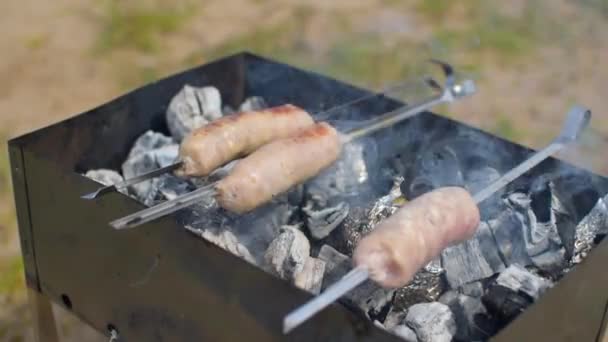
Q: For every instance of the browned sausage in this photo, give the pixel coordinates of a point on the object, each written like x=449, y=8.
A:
x=277, y=166
x=234, y=136
x=417, y=233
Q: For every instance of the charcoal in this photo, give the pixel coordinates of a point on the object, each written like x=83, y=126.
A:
x=405, y=333
x=592, y=226
x=431, y=322
x=171, y=186
x=565, y=219
x=228, y=110
x=322, y=222
x=465, y=263
x=542, y=241
x=253, y=103
x=519, y=279
x=311, y=276
x=505, y=304
x=369, y=297
x=106, y=177
x=425, y=287
x=150, y=151
x=394, y=318
x=226, y=240
x=508, y=230
x=192, y=108
x=287, y=253
x=346, y=177
x=490, y=251
x=468, y=311
x=474, y=289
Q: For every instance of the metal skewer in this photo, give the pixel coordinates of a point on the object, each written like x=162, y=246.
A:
x=320, y=116
x=449, y=93
x=576, y=120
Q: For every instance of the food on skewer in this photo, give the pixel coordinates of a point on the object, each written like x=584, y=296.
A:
x=405, y=242
x=233, y=136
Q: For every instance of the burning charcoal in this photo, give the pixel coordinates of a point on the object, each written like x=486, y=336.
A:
x=508, y=230
x=322, y=222
x=394, y=318
x=465, y=263
x=405, y=333
x=287, y=253
x=432, y=322
x=474, y=289
x=311, y=276
x=368, y=296
x=171, y=186
x=468, y=313
x=565, y=219
x=106, y=177
x=226, y=240
x=253, y=103
x=192, y=108
x=345, y=177
x=505, y=304
x=518, y=278
x=150, y=151
x=591, y=226
x=541, y=239
x=149, y=141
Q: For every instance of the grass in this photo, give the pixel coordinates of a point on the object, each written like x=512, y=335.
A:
x=12, y=279
x=435, y=10
x=139, y=26
x=506, y=128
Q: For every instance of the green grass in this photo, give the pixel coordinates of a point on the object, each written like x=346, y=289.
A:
x=506, y=128
x=138, y=26
x=435, y=9
x=12, y=279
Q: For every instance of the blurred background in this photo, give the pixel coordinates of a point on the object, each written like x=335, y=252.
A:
x=532, y=59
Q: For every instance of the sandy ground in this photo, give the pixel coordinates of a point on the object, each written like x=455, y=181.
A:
x=51, y=70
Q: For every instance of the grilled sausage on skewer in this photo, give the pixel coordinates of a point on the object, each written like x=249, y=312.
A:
x=234, y=136
x=277, y=166
x=417, y=233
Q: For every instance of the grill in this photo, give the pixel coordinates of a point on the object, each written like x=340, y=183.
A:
x=163, y=283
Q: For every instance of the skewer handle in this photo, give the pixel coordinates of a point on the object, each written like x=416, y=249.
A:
x=351, y=280
x=164, y=208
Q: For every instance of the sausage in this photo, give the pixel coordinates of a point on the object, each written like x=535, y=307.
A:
x=237, y=135
x=277, y=166
x=415, y=234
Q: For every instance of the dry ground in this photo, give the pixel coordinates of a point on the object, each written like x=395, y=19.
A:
x=531, y=59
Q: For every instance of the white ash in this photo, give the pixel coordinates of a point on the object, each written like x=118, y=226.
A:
x=106, y=177
x=253, y=103
x=369, y=297
x=226, y=240
x=465, y=263
x=518, y=278
x=394, y=317
x=192, y=108
x=591, y=226
x=432, y=322
x=311, y=276
x=467, y=311
x=474, y=289
x=322, y=222
x=150, y=151
x=405, y=332
x=472, y=260
x=287, y=253
x=542, y=240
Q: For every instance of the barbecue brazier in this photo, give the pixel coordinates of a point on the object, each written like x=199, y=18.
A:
x=160, y=282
